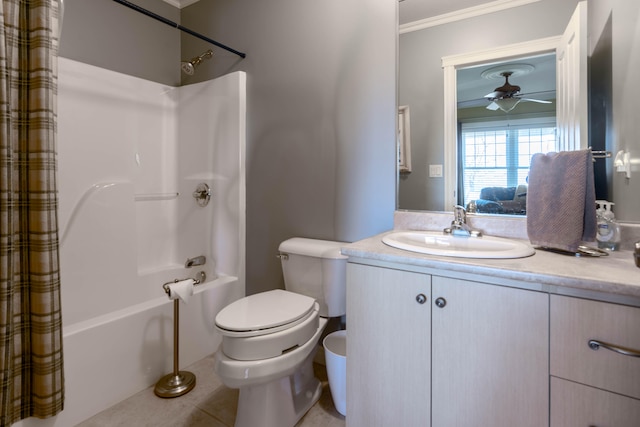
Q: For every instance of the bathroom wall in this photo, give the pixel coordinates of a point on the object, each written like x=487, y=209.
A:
x=623, y=17
x=111, y=36
x=321, y=114
x=320, y=104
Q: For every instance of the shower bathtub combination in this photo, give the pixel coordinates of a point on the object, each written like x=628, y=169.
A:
x=131, y=155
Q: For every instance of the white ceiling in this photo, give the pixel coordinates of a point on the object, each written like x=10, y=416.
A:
x=410, y=10
x=537, y=81
x=180, y=3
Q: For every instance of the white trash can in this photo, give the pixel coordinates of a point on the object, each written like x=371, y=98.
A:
x=335, y=354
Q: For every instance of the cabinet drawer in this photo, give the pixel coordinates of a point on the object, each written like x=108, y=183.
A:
x=576, y=405
x=574, y=322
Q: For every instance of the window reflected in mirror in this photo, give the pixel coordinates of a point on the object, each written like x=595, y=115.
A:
x=495, y=159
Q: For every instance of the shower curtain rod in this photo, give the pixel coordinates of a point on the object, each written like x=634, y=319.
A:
x=178, y=26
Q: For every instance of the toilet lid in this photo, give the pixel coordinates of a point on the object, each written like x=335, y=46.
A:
x=265, y=311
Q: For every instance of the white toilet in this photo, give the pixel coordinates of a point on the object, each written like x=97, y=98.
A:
x=269, y=339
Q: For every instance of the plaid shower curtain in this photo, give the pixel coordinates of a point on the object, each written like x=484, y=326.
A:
x=31, y=374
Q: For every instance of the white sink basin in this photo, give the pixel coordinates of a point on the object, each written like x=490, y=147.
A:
x=437, y=243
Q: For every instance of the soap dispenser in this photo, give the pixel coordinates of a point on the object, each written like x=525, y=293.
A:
x=608, y=235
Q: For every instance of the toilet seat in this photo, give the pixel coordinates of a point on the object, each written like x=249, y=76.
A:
x=264, y=313
x=267, y=324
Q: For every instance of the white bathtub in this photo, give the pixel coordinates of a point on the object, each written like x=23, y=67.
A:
x=118, y=354
x=115, y=355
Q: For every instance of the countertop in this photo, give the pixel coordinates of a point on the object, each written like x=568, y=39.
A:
x=613, y=278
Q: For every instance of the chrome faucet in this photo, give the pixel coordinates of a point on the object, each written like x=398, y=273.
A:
x=192, y=262
x=459, y=226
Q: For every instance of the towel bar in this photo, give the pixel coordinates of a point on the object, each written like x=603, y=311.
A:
x=600, y=154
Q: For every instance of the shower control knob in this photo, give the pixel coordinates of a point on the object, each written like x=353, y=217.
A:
x=441, y=302
x=421, y=298
x=202, y=194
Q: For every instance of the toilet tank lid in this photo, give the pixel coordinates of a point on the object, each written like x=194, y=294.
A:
x=313, y=247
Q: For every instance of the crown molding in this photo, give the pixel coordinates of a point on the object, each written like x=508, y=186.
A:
x=515, y=50
x=458, y=15
x=180, y=3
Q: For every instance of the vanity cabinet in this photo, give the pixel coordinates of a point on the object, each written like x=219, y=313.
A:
x=489, y=350
x=593, y=385
x=428, y=350
x=578, y=405
x=388, y=347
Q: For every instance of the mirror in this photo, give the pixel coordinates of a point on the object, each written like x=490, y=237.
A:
x=506, y=112
x=422, y=45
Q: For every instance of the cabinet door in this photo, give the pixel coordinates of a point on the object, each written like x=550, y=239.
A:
x=490, y=355
x=577, y=405
x=388, y=347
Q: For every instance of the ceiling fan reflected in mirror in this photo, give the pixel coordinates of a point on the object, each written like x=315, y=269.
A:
x=507, y=96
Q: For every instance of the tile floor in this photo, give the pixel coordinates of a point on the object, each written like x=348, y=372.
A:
x=209, y=404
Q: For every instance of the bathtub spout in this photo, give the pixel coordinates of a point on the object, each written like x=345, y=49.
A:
x=192, y=262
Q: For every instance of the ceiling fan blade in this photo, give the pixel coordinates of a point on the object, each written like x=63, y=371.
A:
x=471, y=103
x=495, y=95
x=506, y=104
x=539, y=101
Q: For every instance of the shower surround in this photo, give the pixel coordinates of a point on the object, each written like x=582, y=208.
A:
x=131, y=153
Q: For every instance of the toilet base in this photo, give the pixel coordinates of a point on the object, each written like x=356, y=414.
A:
x=281, y=402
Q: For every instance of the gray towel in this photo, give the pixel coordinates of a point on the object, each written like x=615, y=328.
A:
x=561, y=200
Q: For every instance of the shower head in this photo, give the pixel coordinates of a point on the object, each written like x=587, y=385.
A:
x=189, y=67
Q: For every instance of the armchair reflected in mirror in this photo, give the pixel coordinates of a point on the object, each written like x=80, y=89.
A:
x=500, y=200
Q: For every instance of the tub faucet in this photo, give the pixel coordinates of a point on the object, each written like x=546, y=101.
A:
x=192, y=262
x=459, y=226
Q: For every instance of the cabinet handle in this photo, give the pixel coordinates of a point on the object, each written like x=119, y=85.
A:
x=595, y=345
x=441, y=302
x=421, y=298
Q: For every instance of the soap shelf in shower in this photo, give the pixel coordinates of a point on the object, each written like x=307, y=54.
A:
x=147, y=197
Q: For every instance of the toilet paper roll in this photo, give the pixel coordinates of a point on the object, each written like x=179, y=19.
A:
x=182, y=290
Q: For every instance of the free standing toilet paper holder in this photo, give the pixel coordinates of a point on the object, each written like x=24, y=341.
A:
x=178, y=382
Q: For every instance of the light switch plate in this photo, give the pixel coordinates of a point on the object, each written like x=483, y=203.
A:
x=435, y=171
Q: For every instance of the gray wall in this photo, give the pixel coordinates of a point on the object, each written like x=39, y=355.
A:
x=321, y=104
x=321, y=117
x=625, y=126
x=421, y=82
x=108, y=35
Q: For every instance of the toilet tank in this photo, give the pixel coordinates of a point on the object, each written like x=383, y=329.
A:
x=316, y=268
